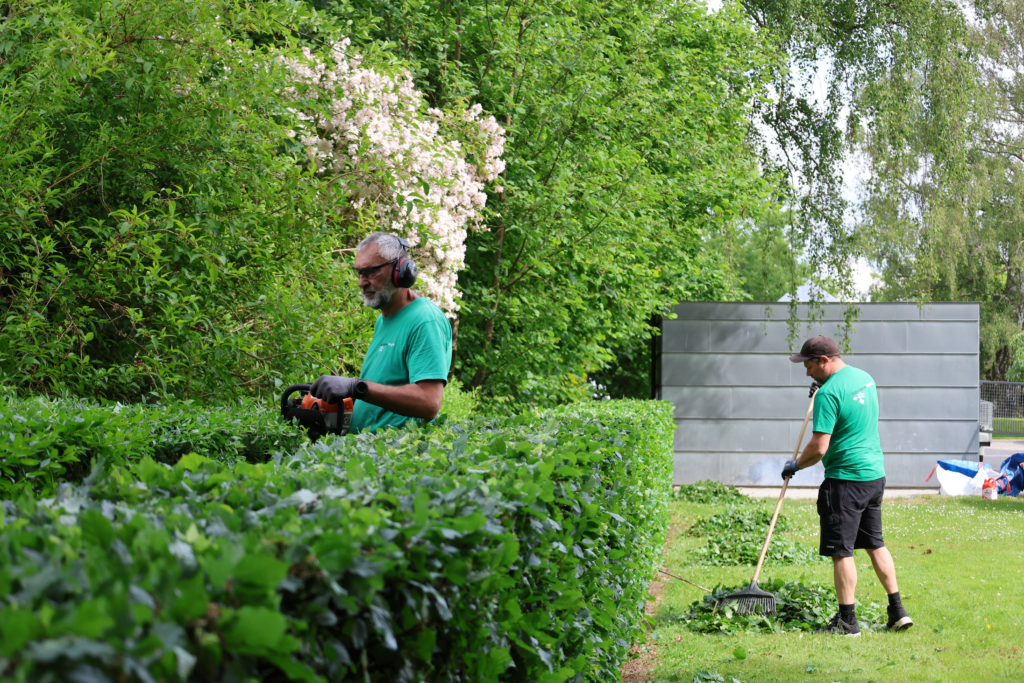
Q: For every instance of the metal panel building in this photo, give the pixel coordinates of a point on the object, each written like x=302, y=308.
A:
x=739, y=401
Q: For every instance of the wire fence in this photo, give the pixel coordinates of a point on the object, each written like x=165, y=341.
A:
x=1002, y=408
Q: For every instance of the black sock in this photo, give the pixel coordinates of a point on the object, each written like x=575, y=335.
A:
x=894, y=600
x=846, y=613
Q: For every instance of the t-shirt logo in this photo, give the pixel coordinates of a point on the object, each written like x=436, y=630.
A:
x=859, y=397
x=383, y=345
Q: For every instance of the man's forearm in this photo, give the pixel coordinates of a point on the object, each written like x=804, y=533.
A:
x=422, y=400
x=814, y=451
x=808, y=458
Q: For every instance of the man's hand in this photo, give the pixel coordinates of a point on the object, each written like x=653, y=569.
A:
x=332, y=388
x=814, y=388
x=789, y=469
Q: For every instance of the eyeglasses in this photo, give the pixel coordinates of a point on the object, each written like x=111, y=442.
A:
x=370, y=271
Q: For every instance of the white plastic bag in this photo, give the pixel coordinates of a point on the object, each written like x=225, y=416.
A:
x=956, y=484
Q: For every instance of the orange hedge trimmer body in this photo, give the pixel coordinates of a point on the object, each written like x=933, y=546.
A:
x=315, y=414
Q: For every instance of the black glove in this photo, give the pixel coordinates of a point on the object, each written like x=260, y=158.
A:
x=332, y=388
x=814, y=388
x=789, y=469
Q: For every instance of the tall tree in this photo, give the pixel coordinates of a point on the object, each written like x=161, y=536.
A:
x=850, y=65
x=766, y=255
x=942, y=215
x=628, y=146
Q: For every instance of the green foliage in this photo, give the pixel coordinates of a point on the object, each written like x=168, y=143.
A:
x=766, y=256
x=736, y=535
x=458, y=405
x=44, y=442
x=800, y=607
x=627, y=146
x=943, y=208
x=735, y=520
x=885, y=64
x=158, y=231
x=730, y=549
x=710, y=492
x=423, y=554
x=628, y=374
x=704, y=676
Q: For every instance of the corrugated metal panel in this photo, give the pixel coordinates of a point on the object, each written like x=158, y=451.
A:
x=714, y=310
x=778, y=435
x=721, y=369
x=769, y=337
x=739, y=401
x=902, y=403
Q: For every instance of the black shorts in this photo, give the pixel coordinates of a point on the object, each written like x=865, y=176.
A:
x=851, y=516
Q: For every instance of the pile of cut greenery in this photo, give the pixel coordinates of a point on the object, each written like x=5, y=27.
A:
x=800, y=606
x=736, y=536
x=707, y=492
x=737, y=549
x=734, y=518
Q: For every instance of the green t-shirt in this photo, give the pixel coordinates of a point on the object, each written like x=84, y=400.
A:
x=411, y=345
x=846, y=407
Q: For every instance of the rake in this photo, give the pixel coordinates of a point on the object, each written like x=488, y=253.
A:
x=753, y=600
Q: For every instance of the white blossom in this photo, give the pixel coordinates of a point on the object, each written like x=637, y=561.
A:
x=387, y=155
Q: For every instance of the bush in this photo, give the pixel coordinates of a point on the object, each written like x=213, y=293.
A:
x=443, y=554
x=159, y=225
x=458, y=405
x=44, y=441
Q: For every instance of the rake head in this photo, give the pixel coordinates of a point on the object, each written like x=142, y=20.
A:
x=751, y=600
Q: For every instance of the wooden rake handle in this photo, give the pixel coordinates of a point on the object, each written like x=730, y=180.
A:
x=782, y=495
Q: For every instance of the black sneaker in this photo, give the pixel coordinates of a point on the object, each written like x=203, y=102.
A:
x=839, y=627
x=899, y=620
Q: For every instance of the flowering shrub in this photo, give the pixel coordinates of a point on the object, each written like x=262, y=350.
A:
x=394, y=166
x=159, y=228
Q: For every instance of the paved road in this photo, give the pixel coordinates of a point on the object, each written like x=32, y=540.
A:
x=1000, y=450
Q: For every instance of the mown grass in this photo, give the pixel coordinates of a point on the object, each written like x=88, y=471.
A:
x=959, y=563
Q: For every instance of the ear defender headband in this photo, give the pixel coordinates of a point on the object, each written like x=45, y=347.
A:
x=404, y=273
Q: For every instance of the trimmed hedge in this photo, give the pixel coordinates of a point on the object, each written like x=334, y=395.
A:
x=515, y=550
x=44, y=441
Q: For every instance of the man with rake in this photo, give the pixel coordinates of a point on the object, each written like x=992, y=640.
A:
x=846, y=442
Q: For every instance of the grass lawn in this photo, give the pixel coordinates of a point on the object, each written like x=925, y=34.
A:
x=1008, y=427
x=959, y=564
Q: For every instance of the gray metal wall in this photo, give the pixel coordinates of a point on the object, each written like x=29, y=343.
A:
x=739, y=401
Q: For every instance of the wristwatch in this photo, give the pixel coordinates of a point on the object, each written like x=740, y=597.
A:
x=361, y=389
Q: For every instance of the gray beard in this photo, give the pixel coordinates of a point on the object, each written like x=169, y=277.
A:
x=379, y=298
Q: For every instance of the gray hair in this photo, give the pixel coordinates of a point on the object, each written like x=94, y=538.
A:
x=388, y=246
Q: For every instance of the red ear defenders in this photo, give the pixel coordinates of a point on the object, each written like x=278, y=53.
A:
x=404, y=273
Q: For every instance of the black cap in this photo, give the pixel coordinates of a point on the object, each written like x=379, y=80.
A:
x=816, y=347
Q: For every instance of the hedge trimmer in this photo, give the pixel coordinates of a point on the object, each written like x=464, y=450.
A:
x=315, y=414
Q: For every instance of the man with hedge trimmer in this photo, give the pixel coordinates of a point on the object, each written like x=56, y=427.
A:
x=846, y=441
x=406, y=366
